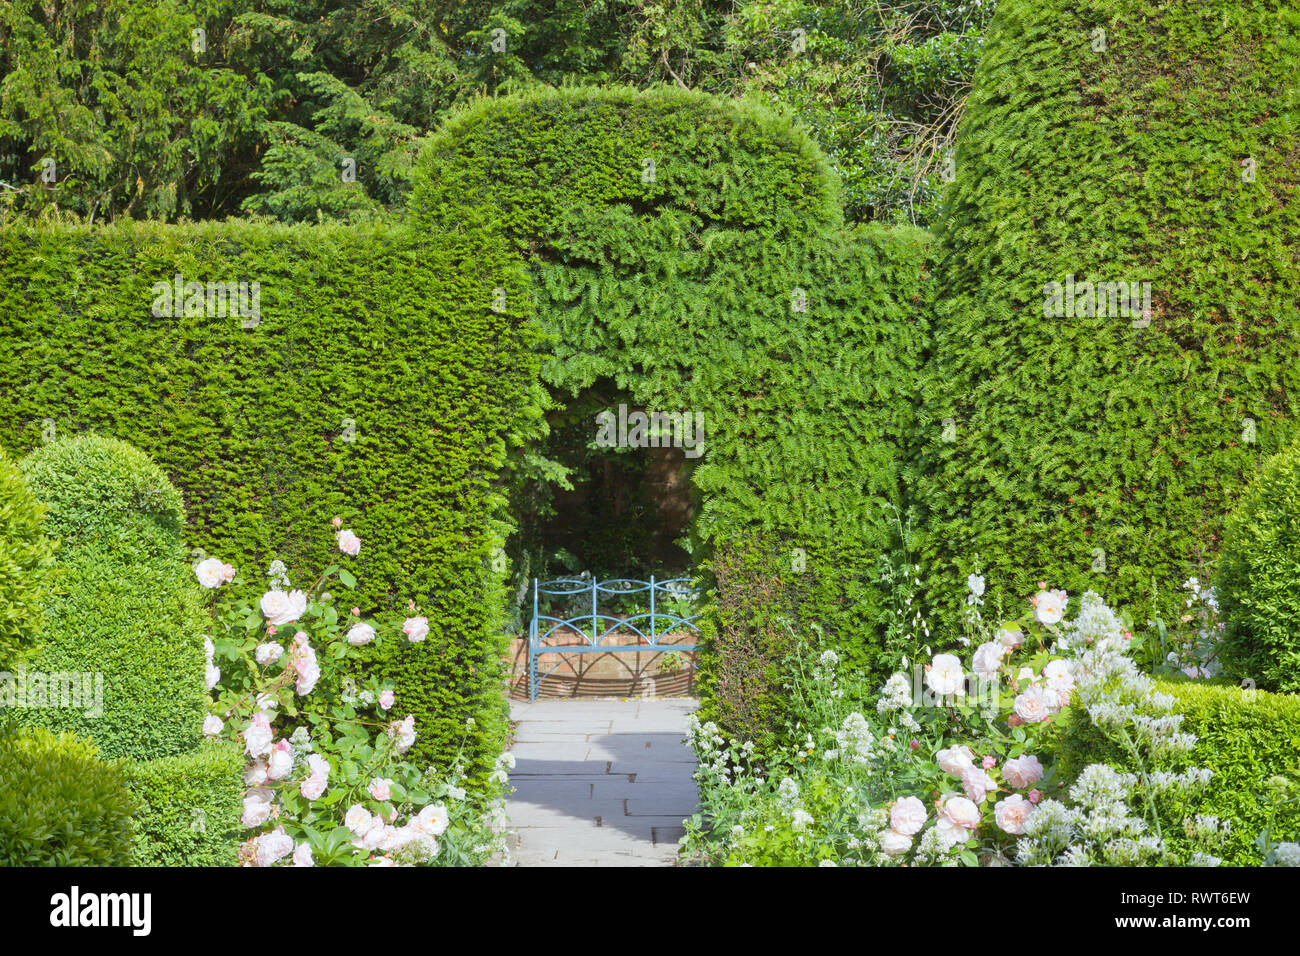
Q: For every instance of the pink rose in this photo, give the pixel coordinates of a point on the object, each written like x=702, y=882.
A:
x=273, y=846
x=416, y=629
x=381, y=788
x=1031, y=706
x=1012, y=813
x=1023, y=771
x=961, y=812
x=977, y=783
x=387, y=699
x=908, y=816
x=313, y=787
x=257, y=807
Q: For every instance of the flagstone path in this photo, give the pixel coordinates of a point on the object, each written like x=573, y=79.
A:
x=600, y=782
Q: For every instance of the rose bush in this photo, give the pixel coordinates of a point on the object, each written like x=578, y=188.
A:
x=951, y=767
x=327, y=775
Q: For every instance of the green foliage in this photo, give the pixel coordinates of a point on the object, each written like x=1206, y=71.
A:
x=1258, y=583
x=1103, y=452
x=25, y=564
x=767, y=593
x=127, y=620
x=378, y=385
x=725, y=285
x=60, y=805
x=1245, y=738
x=189, y=807
x=136, y=122
x=881, y=88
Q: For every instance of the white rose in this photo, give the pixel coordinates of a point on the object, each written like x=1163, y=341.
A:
x=360, y=634
x=318, y=766
x=961, y=812
x=946, y=675
x=416, y=629
x=434, y=818
x=212, y=725
x=950, y=834
x=280, y=764
x=268, y=653
x=1010, y=637
x=211, y=675
x=257, y=808
x=908, y=816
x=1012, y=813
x=894, y=843
x=255, y=773
x=302, y=855
x=1031, y=706
x=381, y=788
x=211, y=573
x=1060, y=683
x=349, y=543
x=955, y=760
x=358, y=820
x=258, y=736
x=279, y=607
x=1050, y=607
x=987, y=659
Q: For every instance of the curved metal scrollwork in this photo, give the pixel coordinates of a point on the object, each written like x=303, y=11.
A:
x=587, y=632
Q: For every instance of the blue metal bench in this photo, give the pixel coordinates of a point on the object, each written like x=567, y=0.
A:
x=588, y=625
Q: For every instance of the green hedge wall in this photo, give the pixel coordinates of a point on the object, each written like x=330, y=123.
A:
x=26, y=556
x=128, y=606
x=189, y=807
x=1244, y=738
x=724, y=284
x=378, y=384
x=1114, y=156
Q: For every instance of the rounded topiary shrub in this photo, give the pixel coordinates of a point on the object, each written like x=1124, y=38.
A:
x=25, y=564
x=1258, y=583
x=1118, y=298
x=60, y=805
x=121, y=659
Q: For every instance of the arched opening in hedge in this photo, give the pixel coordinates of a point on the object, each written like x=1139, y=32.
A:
x=692, y=252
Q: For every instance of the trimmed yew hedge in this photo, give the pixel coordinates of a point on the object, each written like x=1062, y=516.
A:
x=378, y=383
x=1113, y=140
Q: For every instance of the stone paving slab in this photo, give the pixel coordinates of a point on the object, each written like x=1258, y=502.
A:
x=600, y=782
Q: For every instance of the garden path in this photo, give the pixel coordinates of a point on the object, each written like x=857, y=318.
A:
x=600, y=782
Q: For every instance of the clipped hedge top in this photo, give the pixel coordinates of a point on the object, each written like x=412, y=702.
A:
x=1108, y=141
x=527, y=160
x=105, y=489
